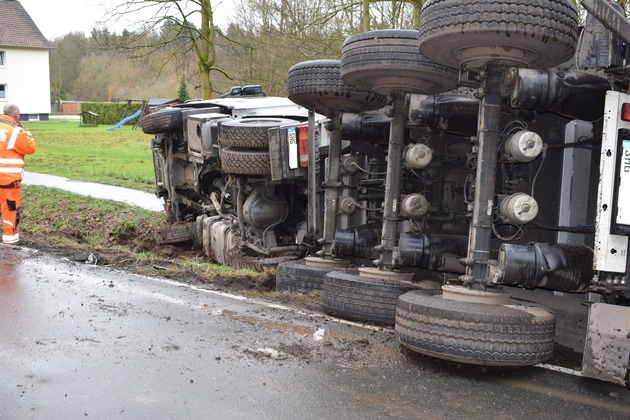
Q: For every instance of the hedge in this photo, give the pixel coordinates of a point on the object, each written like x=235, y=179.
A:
x=111, y=113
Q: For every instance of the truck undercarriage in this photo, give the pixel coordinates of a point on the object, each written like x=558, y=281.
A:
x=455, y=182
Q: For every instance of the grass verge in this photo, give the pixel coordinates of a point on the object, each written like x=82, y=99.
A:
x=121, y=236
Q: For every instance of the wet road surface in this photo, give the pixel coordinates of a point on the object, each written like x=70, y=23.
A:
x=82, y=341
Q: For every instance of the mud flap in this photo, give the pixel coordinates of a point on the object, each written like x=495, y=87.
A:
x=607, y=349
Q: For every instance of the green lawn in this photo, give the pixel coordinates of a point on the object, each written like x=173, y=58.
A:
x=119, y=157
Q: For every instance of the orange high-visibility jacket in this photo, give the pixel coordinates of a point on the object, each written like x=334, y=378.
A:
x=15, y=142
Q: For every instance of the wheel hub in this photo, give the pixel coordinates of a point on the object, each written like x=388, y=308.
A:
x=476, y=58
x=413, y=82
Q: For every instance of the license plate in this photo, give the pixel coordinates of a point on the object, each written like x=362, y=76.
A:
x=293, y=148
x=623, y=198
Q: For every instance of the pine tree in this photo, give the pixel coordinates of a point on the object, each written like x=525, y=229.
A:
x=182, y=93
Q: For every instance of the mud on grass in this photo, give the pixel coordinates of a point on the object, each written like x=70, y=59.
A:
x=177, y=263
x=123, y=237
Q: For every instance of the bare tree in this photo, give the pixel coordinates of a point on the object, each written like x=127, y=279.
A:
x=273, y=35
x=178, y=17
x=93, y=81
x=394, y=10
x=174, y=41
x=64, y=63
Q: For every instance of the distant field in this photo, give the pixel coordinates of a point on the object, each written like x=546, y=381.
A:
x=120, y=157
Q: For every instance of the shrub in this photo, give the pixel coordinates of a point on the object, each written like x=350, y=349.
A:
x=111, y=113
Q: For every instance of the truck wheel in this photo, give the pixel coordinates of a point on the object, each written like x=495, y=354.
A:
x=249, y=133
x=296, y=276
x=162, y=121
x=317, y=85
x=469, y=34
x=245, y=162
x=516, y=334
x=351, y=296
x=385, y=61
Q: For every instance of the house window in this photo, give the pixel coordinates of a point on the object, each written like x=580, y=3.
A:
x=3, y=91
x=3, y=58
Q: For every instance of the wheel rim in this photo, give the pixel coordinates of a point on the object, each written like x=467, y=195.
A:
x=476, y=57
x=463, y=294
x=375, y=273
x=326, y=263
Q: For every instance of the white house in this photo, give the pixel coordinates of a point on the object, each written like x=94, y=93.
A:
x=24, y=65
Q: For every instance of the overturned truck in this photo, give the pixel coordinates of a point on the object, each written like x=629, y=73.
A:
x=467, y=183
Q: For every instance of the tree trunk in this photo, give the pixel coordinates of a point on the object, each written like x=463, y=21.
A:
x=417, y=9
x=206, y=51
x=365, y=13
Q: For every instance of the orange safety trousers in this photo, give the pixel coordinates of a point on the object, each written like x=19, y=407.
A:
x=10, y=205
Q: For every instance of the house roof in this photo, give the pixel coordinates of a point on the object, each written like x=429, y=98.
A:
x=18, y=29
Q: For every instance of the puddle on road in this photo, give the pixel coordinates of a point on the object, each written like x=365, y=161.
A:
x=8, y=281
x=276, y=325
x=567, y=395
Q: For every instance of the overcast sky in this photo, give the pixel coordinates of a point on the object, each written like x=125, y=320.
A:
x=55, y=18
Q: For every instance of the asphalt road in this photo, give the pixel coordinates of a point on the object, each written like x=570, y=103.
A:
x=81, y=341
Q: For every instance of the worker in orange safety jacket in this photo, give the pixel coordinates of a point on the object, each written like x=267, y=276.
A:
x=15, y=142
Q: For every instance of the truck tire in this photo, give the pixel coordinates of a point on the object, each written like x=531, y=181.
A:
x=385, y=61
x=245, y=162
x=469, y=34
x=249, y=133
x=162, y=121
x=347, y=295
x=296, y=276
x=317, y=85
x=516, y=334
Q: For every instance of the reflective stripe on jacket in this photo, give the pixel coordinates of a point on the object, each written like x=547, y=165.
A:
x=15, y=142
